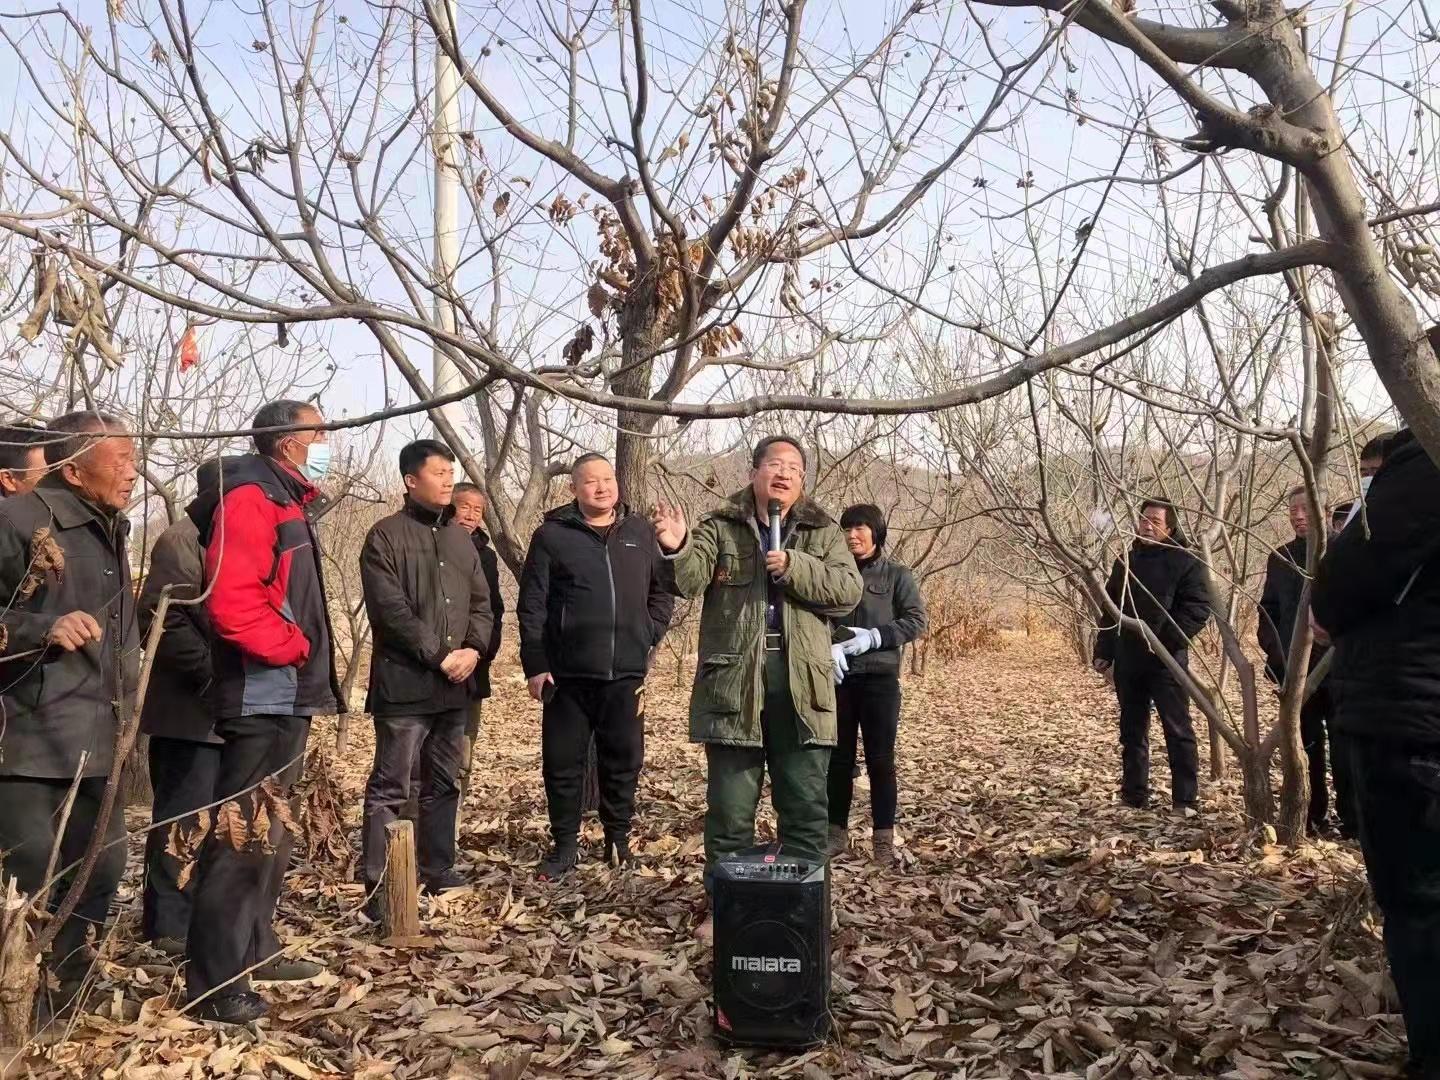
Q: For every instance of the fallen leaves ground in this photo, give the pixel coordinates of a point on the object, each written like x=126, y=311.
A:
x=1037, y=927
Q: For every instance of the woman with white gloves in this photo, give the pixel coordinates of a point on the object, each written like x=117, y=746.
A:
x=867, y=667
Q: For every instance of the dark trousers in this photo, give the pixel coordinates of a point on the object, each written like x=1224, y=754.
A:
x=869, y=708
x=1398, y=799
x=1140, y=684
x=29, y=819
x=1314, y=716
x=237, y=884
x=611, y=711
x=436, y=743
x=798, y=774
x=182, y=774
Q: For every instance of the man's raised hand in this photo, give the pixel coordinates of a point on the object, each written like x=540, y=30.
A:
x=669, y=522
x=74, y=631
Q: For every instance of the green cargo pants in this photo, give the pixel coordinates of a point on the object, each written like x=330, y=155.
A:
x=797, y=780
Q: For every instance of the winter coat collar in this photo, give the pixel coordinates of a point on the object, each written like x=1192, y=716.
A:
x=70, y=510
x=425, y=515
x=741, y=507
x=570, y=514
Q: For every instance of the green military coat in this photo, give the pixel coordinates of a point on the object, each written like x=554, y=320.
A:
x=723, y=557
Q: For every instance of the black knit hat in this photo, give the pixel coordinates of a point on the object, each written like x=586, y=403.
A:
x=866, y=514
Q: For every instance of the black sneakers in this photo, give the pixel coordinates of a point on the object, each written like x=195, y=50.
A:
x=243, y=1007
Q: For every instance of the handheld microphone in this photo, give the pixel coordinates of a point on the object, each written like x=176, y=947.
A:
x=774, y=509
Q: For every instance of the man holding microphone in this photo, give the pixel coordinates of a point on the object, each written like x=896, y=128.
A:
x=774, y=569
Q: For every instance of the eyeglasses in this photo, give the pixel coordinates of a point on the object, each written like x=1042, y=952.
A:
x=783, y=468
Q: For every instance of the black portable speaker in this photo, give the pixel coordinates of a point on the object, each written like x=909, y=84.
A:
x=772, y=948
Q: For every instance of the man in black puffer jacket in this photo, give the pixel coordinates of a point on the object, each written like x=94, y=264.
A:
x=594, y=603
x=1377, y=595
x=1165, y=587
x=1279, y=608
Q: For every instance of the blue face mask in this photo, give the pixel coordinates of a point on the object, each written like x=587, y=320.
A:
x=317, y=462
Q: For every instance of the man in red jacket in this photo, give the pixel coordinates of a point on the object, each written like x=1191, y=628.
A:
x=273, y=669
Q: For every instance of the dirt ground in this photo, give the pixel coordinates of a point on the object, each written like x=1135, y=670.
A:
x=1037, y=928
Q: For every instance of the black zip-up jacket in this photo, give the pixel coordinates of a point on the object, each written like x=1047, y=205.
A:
x=426, y=595
x=891, y=604
x=175, y=705
x=1280, y=605
x=59, y=554
x=1378, y=596
x=272, y=646
x=490, y=567
x=592, y=607
x=1166, y=588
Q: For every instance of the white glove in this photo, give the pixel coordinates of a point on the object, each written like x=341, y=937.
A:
x=863, y=641
x=837, y=657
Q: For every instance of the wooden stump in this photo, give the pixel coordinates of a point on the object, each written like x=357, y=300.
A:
x=402, y=889
x=19, y=973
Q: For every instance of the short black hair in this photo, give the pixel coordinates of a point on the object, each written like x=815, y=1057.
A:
x=413, y=456
x=585, y=459
x=80, y=428
x=275, y=414
x=16, y=443
x=1378, y=447
x=465, y=487
x=763, y=446
x=866, y=514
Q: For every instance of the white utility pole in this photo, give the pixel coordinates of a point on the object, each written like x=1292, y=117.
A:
x=446, y=138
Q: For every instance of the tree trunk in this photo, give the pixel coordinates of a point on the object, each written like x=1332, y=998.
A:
x=639, y=339
x=590, y=792
x=138, y=790
x=1217, y=753
x=19, y=973
x=1258, y=791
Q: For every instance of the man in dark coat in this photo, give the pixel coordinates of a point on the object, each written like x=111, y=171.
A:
x=1164, y=586
x=429, y=609
x=184, y=750
x=1377, y=596
x=470, y=505
x=1285, y=576
x=273, y=669
x=594, y=603
x=69, y=660
x=22, y=459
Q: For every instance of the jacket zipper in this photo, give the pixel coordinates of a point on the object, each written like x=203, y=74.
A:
x=610, y=573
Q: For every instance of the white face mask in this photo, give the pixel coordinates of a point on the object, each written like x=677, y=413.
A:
x=317, y=462
x=1365, y=485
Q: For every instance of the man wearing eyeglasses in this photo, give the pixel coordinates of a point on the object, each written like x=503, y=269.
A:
x=764, y=694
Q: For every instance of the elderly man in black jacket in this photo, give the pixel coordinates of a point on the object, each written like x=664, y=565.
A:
x=594, y=603
x=429, y=608
x=69, y=654
x=1285, y=576
x=184, y=750
x=1377, y=595
x=469, y=503
x=1163, y=585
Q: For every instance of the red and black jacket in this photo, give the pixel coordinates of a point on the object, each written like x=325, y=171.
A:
x=271, y=637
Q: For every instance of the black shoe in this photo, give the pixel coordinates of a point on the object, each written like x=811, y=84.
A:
x=443, y=882
x=617, y=853
x=1321, y=829
x=282, y=969
x=169, y=946
x=1135, y=802
x=561, y=861
x=1186, y=809
x=375, y=904
x=244, y=1007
